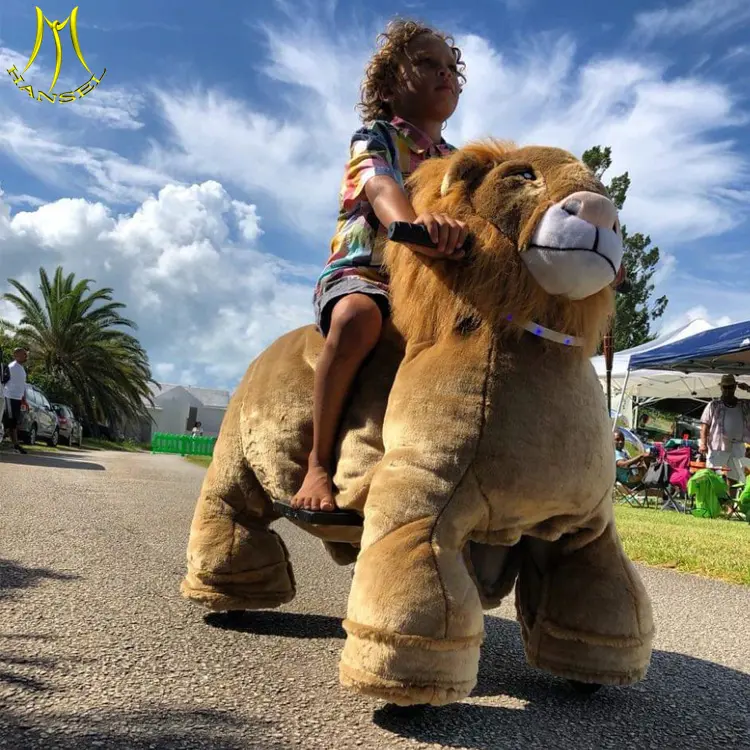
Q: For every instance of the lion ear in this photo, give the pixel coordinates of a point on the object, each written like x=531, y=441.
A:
x=460, y=168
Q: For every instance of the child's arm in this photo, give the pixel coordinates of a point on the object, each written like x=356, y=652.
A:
x=390, y=203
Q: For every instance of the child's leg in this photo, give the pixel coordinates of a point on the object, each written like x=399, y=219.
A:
x=356, y=322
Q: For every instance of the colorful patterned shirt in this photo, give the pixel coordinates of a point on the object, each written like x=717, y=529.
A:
x=394, y=148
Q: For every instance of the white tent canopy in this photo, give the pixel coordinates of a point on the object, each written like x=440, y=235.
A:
x=646, y=384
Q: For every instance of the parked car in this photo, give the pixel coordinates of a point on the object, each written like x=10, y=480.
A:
x=38, y=418
x=71, y=432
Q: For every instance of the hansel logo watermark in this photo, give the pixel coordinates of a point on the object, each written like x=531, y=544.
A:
x=57, y=27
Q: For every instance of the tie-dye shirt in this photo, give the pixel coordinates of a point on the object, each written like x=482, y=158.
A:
x=394, y=148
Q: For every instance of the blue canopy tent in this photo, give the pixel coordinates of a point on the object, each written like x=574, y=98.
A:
x=719, y=351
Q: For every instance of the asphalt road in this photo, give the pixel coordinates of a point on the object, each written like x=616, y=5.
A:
x=98, y=650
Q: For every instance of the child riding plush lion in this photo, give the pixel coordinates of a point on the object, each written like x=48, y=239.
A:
x=474, y=443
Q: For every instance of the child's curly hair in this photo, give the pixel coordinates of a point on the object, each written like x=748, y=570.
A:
x=382, y=72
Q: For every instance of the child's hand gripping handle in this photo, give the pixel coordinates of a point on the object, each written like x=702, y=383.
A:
x=415, y=234
x=418, y=234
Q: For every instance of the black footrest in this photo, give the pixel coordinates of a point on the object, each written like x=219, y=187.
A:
x=318, y=517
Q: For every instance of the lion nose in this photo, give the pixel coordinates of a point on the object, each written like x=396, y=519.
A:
x=591, y=207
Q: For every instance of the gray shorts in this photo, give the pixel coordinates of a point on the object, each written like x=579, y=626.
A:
x=348, y=285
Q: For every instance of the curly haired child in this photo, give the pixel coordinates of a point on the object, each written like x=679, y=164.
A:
x=411, y=87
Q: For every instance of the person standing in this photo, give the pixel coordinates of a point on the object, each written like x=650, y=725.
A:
x=725, y=428
x=15, y=392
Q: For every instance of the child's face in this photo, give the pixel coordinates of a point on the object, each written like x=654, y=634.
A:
x=430, y=83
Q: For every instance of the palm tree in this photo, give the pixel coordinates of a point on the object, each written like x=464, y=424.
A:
x=79, y=350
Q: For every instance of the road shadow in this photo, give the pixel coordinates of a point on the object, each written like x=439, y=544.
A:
x=14, y=575
x=683, y=702
x=282, y=624
x=50, y=461
x=162, y=728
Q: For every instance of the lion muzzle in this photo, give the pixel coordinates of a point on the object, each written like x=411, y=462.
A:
x=576, y=249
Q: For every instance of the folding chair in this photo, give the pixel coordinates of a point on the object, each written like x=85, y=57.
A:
x=678, y=460
x=656, y=481
x=733, y=506
x=627, y=494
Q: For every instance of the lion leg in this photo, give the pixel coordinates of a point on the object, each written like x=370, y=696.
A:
x=415, y=621
x=584, y=612
x=234, y=560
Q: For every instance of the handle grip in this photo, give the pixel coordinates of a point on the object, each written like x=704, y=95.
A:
x=415, y=234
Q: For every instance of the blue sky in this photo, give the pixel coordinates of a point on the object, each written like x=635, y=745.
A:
x=200, y=179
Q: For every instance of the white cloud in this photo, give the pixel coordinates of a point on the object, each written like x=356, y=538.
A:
x=24, y=200
x=687, y=182
x=57, y=160
x=694, y=16
x=665, y=269
x=186, y=263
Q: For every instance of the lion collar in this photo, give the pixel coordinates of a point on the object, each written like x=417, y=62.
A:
x=547, y=333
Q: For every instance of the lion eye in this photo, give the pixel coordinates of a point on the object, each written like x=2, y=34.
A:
x=527, y=174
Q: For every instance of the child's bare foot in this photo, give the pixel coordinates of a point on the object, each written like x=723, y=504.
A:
x=316, y=492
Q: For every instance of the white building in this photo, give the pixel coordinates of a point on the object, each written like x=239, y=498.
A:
x=177, y=408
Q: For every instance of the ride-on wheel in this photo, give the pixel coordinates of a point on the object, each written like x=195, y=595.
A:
x=584, y=688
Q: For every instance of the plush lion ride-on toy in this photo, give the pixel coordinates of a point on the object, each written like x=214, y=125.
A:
x=476, y=449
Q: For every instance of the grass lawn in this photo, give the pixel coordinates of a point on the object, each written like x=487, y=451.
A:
x=89, y=444
x=199, y=460
x=715, y=548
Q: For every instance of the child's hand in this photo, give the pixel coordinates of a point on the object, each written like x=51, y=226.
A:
x=448, y=233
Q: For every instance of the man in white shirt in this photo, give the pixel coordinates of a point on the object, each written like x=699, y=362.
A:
x=725, y=428
x=15, y=392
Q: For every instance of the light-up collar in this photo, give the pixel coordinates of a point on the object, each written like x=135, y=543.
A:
x=547, y=333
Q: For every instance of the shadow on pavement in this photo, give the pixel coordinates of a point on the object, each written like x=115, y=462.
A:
x=50, y=461
x=283, y=624
x=683, y=702
x=164, y=729
x=13, y=575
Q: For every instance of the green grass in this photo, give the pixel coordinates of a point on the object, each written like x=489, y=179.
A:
x=127, y=446
x=204, y=461
x=89, y=444
x=714, y=548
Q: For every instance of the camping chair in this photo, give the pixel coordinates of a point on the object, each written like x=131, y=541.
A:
x=627, y=493
x=656, y=480
x=709, y=489
x=678, y=460
x=737, y=506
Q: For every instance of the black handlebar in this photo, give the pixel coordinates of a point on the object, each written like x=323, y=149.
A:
x=415, y=234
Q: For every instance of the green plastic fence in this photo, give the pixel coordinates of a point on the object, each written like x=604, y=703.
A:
x=185, y=445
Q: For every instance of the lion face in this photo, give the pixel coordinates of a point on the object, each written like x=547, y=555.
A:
x=553, y=210
x=547, y=245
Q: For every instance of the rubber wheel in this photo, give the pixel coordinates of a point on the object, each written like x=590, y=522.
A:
x=584, y=688
x=54, y=440
x=32, y=435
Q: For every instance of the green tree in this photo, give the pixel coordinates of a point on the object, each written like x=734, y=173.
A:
x=80, y=350
x=636, y=310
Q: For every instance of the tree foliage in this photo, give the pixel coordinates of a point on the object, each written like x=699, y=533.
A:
x=636, y=310
x=81, y=352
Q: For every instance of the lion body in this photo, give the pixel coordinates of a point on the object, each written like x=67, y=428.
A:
x=543, y=440
x=478, y=454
